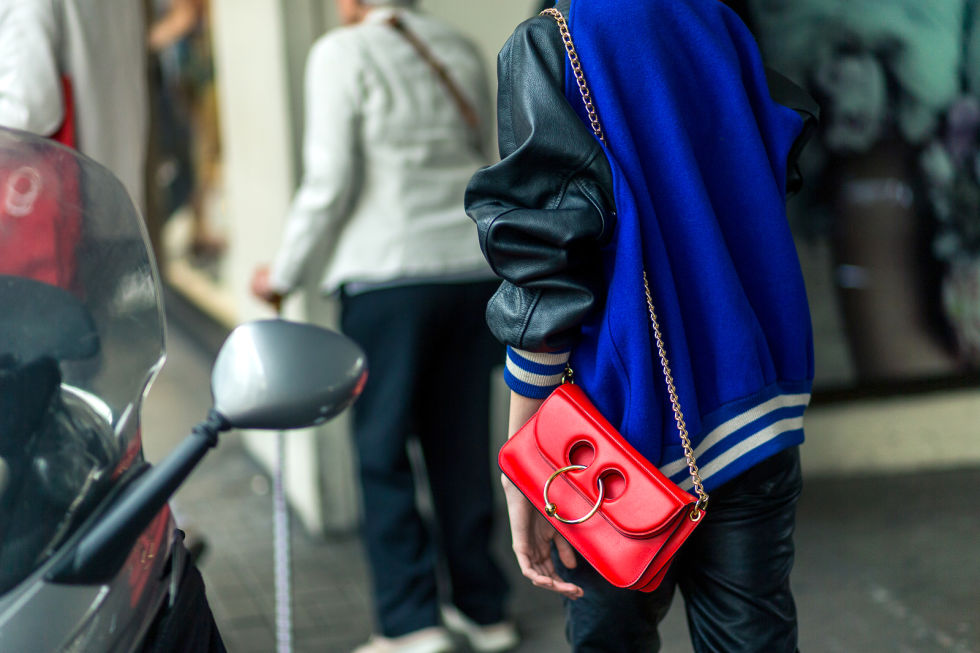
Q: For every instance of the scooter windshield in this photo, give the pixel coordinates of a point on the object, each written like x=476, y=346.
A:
x=81, y=338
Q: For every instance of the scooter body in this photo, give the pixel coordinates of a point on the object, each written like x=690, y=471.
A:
x=79, y=290
x=113, y=617
x=90, y=556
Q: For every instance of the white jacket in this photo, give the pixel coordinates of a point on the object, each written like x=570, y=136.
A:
x=100, y=46
x=387, y=157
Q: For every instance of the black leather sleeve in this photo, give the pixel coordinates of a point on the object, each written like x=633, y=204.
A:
x=783, y=91
x=544, y=211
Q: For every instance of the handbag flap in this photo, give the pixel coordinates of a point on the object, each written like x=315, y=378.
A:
x=649, y=502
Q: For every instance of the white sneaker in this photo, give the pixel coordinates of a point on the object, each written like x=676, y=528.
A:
x=434, y=639
x=501, y=636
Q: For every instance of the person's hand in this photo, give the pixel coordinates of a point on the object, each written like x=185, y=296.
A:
x=263, y=290
x=531, y=534
x=532, y=538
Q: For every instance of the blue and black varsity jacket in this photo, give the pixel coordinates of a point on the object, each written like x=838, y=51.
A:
x=690, y=187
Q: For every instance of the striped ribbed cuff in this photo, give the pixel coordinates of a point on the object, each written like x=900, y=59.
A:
x=532, y=374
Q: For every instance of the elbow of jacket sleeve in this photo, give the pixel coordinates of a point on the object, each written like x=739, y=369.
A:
x=537, y=321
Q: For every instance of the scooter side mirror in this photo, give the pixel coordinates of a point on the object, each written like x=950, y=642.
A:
x=274, y=374
x=269, y=374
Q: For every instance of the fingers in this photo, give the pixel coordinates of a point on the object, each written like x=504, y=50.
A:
x=262, y=289
x=260, y=282
x=565, y=552
x=532, y=538
x=541, y=573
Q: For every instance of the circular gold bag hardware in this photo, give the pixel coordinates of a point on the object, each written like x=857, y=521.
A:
x=552, y=509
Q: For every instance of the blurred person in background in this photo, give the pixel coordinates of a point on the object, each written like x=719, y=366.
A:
x=396, y=122
x=187, y=152
x=73, y=70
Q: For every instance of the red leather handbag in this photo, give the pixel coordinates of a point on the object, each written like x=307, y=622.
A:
x=613, y=506
x=564, y=458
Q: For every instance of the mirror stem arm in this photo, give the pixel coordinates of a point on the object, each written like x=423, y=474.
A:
x=211, y=427
x=102, y=551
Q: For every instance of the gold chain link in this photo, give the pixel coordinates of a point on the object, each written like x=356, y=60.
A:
x=692, y=464
x=583, y=88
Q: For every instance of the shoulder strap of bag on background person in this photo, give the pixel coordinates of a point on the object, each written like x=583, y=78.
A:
x=65, y=133
x=470, y=116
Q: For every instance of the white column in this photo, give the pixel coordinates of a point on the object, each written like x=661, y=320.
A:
x=259, y=47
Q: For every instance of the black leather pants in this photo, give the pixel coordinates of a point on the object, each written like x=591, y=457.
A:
x=733, y=573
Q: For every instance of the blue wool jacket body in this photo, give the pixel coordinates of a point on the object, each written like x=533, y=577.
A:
x=699, y=178
x=698, y=152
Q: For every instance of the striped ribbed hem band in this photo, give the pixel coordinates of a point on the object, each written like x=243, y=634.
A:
x=743, y=439
x=533, y=374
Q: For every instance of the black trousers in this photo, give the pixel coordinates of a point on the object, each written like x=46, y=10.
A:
x=429, y=356
x=733, y=573
x=187, y=626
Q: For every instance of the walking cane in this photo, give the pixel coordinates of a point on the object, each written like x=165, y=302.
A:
x=282, y=546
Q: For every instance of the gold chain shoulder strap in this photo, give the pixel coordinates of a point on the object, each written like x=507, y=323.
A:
x=583, y=88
